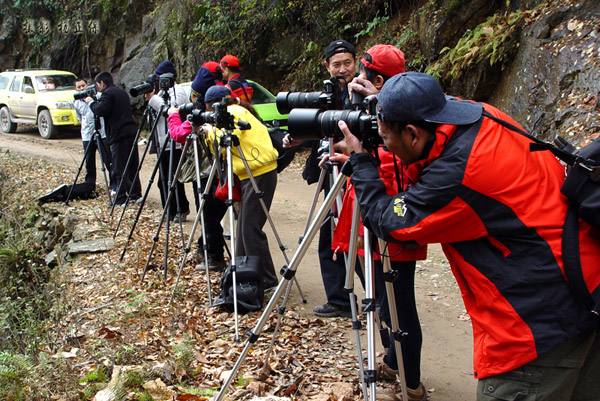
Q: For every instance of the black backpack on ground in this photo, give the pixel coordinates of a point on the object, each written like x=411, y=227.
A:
x=85, y=190
x=250, y=291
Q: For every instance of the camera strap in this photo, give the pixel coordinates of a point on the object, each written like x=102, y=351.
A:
x=398, y=176
x=566, y=156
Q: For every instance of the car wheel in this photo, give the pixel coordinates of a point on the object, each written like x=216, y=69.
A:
x=6, y=123
x=46, y=127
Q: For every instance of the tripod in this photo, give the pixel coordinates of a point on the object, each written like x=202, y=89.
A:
x=162, y=149
x=288, y=272
x=228, y=141
x=102, y=151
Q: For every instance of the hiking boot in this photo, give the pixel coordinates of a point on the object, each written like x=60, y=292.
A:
x=395, y=393
x=216, y=264
x=329, y=310
x=385, y=373
x=180, y=217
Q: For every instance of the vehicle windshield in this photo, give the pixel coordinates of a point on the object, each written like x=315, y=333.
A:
x=47, y=83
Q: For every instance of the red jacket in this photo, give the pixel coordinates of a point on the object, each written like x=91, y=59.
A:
x=240, y=88
x=497, y=210
x=341, y=235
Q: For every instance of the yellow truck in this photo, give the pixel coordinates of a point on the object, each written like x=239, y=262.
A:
x=39, y=97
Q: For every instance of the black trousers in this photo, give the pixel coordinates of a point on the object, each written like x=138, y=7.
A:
x=90, y=160
x=213, y=213
x=408, y=318
x=250, y=237
x=163, y=184
x=120, y=154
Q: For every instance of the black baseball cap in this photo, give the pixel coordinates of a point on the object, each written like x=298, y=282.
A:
x=339, y=46
x=414, y=96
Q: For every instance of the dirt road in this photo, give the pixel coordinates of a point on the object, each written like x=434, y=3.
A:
x=447, y=340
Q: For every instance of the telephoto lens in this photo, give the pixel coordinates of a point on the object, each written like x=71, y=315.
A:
x=151, y=84
x=287, y=101
x=309, y=124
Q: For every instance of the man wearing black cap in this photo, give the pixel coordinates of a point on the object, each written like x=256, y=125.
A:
x=340, y=61
x=497, y=210
x=179, y=207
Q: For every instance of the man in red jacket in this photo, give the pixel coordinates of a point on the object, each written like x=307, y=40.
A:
x=497, y=210
x=236, y=84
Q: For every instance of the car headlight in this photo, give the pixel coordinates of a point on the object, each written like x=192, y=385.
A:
x=64, y=105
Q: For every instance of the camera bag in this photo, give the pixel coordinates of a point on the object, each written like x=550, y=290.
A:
x=582, y=188
x=249, y=285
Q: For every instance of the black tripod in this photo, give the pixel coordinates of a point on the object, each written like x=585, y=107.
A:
x=152, y=139
x=103, y=152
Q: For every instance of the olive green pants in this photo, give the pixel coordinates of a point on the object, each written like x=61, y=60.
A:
x=569, y=372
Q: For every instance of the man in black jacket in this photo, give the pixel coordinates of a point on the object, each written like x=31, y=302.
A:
x=121, y=129
x=340, y=61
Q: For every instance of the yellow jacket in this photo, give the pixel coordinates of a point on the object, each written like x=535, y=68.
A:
x=255, y=143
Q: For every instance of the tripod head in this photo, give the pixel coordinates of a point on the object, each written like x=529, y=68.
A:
x=97, y=124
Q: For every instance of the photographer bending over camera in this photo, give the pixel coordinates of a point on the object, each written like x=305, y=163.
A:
x=498, y=212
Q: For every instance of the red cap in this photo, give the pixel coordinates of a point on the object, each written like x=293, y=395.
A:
x=213, y=66
x=230, y=61
x=385, y=59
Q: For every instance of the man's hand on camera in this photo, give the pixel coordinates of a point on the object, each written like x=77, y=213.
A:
x=172, y=110
x=362, y=86
x=289, y=142
x=89, y=99
x=350, y=144
x=149, y=95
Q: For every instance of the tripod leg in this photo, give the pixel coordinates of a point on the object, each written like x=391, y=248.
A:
x=162, y=219
x=288, y=273
x=232, y=233
x=187, y=248
x=370, y=308
x=349, y=287
x=259, y=194
x=85, y=154
x=391, y=296
x=145, y=196
x=103, y=163
x=131, y=153
x=313, y=204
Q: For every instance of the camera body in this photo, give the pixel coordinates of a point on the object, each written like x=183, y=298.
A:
x=151, y=84
x=196, y=114
x=166, y=81
x=90, y=91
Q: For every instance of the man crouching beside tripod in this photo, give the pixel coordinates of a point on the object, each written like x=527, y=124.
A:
x=497, y=210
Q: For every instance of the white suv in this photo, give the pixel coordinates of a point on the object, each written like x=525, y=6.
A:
x=42, y=97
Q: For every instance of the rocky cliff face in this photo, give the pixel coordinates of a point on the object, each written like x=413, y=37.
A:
x=548, y=80
x=553, y=84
